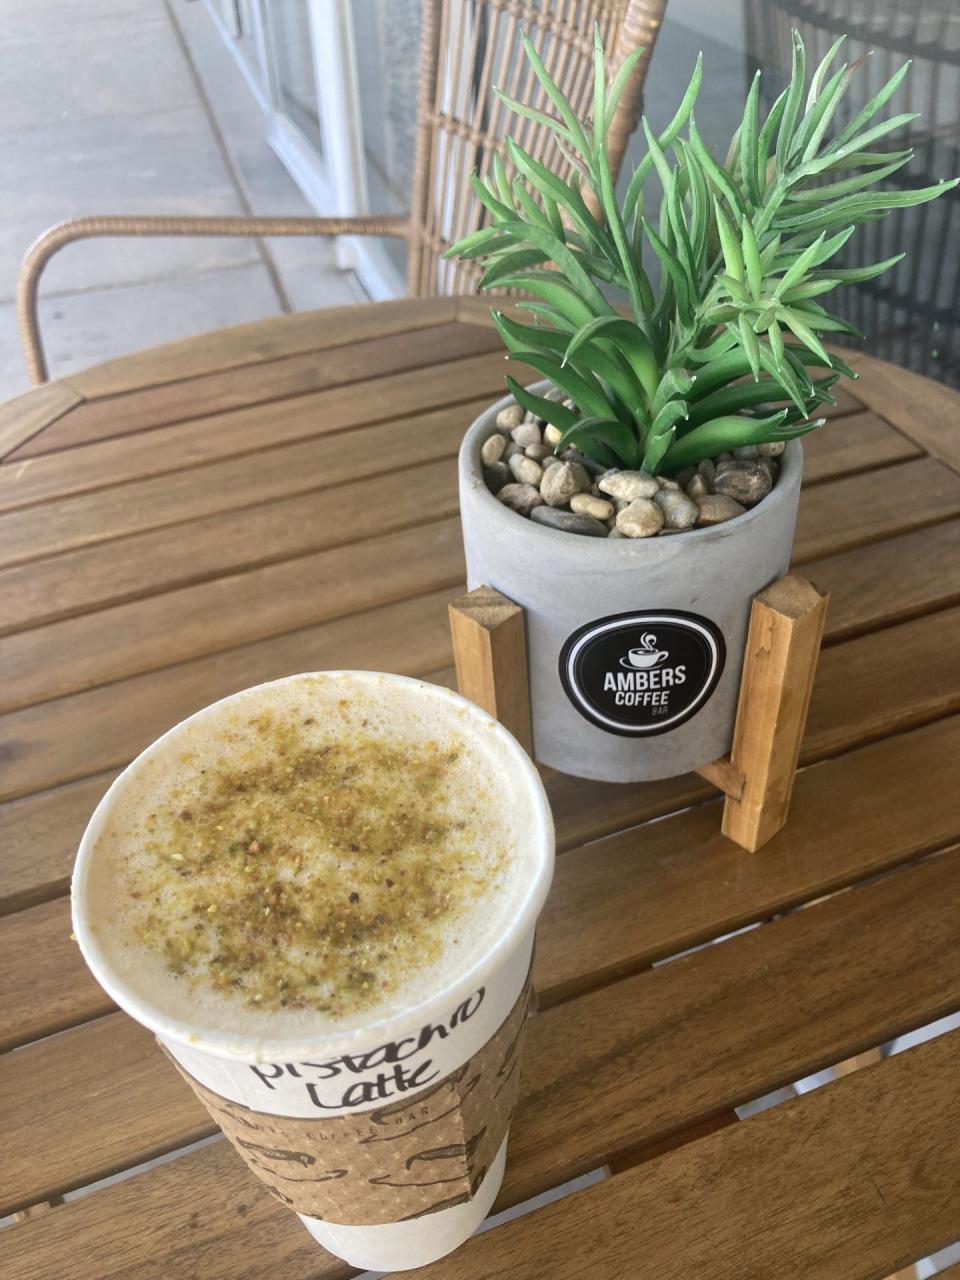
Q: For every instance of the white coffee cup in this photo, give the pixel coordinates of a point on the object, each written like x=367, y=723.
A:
x=289, y=1080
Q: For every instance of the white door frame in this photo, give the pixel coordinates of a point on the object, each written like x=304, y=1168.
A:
x=334, y=183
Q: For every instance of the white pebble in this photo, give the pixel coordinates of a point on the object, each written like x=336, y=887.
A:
x=642, y=519
x=520, y=497
x=492, y=450
x=679, y=511
x=561, y=483
x=584, y=504
x=525, y=470
x=628, y=484
x=509, y=418
x=526, y=433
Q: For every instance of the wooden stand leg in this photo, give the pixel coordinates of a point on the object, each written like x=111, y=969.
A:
x=786, y=627
x=783, y=643
x=490, y=651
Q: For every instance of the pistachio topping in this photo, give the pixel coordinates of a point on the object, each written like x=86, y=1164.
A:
x=297, y=872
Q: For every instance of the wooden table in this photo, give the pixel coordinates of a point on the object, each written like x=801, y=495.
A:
x=198, y=518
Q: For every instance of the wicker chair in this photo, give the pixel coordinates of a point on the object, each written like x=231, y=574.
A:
x=466, y=47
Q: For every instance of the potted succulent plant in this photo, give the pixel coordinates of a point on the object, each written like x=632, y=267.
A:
x=637, y=500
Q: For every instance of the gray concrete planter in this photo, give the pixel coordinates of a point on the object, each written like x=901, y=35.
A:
x=635, y=647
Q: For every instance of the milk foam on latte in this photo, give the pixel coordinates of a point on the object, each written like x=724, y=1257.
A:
x=317, y=853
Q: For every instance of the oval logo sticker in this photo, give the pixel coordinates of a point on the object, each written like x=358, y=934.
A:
x=640, y=674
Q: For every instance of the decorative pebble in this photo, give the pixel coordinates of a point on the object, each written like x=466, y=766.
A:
x=697, y=486
x=615, y=533
x=747, y=451
x=559, y=484
x=526, y=433
x=684, y=476
x=715, y=508
x=525, y=470
x=492, y=450
x=585, y=504
x=588, y=464
x=568, y=522
x=707, y=469
x=666, y=483
x=551, y=460
x=552, y=435
x=496, y=476
x=679, y=511
x=723, y=457
x=772, y=449
x=554, y=394
x=509, y=418
x=629, y=485
x=521, y=498
x=747, y=482
x=642, y=519
x=512, y=451
x=538, y=451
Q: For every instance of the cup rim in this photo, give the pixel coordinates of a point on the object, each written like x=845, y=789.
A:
x=249, y=1049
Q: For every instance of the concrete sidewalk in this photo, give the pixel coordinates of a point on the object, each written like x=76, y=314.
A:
x=136, y=106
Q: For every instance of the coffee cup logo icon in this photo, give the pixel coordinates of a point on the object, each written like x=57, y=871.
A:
x=645, y=655
x=642, y=673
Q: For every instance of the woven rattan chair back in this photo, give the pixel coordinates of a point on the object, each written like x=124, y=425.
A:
x=466, y=48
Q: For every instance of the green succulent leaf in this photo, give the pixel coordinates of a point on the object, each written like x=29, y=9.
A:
x=579, y=386
x=715, y=174
x=817, y=79
x=551, y=411
x=537, y=117
x=791, y=109
x=752, y=181
x=619, y=85
x=509, y=263
x=675, y=385
x=872, y=107
x=565, y=110
x=631, y=341
x=657, y=446
x=608, y=430
x=551, y=287
x=746, y=249
x=665, y=139
x=720, y=434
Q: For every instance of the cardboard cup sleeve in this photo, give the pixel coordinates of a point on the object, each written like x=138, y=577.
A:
x=413, y=1156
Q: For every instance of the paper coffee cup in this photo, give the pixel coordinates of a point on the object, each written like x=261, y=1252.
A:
x=388, y=1139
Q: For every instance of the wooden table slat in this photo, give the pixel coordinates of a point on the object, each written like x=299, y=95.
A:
x=832, y=517
x=857, y=443
x=40, y=838
x=251, y=344
x=26, y=416
x=102, y=514
x=850, y=1183
x=635, y=1062
x=310, y=466
x=195, y=442
x=864, y=508
x=656, y=890
x=214, y=546
x=925, y=410
x=76, y=653
x=268, y=383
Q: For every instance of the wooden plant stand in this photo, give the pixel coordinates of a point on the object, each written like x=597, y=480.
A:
x=783, y=643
